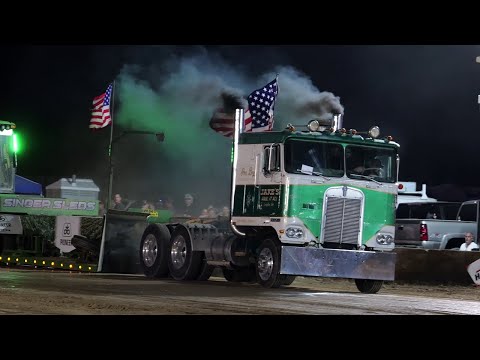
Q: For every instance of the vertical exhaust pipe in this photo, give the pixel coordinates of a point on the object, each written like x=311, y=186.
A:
x=337, y=122
x=239, y=115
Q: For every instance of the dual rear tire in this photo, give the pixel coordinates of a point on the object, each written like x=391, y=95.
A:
x=162, y=254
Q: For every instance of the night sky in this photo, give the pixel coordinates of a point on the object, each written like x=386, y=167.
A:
x=425, y=96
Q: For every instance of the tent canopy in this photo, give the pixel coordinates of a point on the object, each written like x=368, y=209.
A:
x=25, y=186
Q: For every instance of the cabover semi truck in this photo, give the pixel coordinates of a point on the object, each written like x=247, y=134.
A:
x=316, y=200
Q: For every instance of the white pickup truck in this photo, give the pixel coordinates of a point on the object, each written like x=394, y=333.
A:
x=433, y=225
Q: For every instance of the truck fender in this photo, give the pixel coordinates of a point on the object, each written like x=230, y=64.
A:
x=447, y=237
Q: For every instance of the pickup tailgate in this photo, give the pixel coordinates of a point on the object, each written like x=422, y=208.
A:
x=407, y=232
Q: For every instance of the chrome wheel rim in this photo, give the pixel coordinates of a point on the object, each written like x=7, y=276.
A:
x=265, y=264
x=149, y=250
x=178, y=252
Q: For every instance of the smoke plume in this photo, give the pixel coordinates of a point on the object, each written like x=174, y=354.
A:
x=178, y=97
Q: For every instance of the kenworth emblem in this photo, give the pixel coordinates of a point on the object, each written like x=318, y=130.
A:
x=344, y=190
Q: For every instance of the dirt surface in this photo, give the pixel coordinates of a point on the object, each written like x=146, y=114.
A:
x=43, y=292
x=457, y=292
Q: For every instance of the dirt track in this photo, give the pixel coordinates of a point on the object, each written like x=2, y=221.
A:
x=49, y=292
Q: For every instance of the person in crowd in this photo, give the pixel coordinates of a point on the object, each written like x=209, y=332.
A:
x=189, y=206
x=469, y=244
x=212, y=212
x=118, y=203
x=225, y=211
x=204, y=214
x=101, y=208
x=147, y=206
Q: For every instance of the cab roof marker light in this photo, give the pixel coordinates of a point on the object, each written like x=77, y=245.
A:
x=313, y=125
x=374, y=132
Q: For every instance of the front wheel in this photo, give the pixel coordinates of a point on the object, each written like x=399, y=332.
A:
x=268, y=265
x=289, y=279
x=368, y=286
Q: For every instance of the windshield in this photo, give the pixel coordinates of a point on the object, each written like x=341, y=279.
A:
x=376, y=163
x=314, y=158
x=328, y=159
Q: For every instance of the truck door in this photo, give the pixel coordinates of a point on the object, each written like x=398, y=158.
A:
x=268, y=192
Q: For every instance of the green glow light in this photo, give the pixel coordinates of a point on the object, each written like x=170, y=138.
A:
x=15, y=143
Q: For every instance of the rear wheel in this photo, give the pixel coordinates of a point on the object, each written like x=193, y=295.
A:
x=205, y=270
x=183, y=262
x=153, y=251
x=268, y=265
x=368, y=286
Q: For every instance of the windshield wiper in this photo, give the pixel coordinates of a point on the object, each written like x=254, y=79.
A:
x=366, y=178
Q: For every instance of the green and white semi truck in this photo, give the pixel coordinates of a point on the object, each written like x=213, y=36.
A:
x=317, y=202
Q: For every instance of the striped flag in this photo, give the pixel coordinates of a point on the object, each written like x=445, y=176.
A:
x=261, y=102
x=223, y=122
x=258, y=114
x=101, y=110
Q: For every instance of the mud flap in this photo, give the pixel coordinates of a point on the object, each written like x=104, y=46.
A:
x=120, y=242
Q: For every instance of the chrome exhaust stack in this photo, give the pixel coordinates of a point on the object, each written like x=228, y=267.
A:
x=337, y=122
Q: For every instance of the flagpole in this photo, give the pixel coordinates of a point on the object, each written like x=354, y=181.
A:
x=110, y=184
x=110, y=145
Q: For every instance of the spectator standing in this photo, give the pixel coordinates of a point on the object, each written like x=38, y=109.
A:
x=468, y=245
x=189, y=206
x=118, y=202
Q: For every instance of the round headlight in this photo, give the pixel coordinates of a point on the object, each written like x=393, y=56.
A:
x=313, y=125
x=374, y=132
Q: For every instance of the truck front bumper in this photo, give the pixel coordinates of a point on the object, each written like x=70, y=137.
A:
x=309, y=261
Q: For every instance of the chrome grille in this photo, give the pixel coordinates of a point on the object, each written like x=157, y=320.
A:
x=342, y=220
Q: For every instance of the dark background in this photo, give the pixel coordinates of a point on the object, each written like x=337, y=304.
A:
x=425, y=96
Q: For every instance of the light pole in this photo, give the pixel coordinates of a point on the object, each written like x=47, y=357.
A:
x=160, y=137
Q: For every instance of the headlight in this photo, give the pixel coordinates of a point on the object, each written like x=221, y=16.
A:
x=292, y=232
x=384, y=239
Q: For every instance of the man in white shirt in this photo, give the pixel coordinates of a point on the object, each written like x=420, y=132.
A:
x=468, y=245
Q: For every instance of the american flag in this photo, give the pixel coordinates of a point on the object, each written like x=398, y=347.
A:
x=223, y=122
x=101, y=110
x=261, y=102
